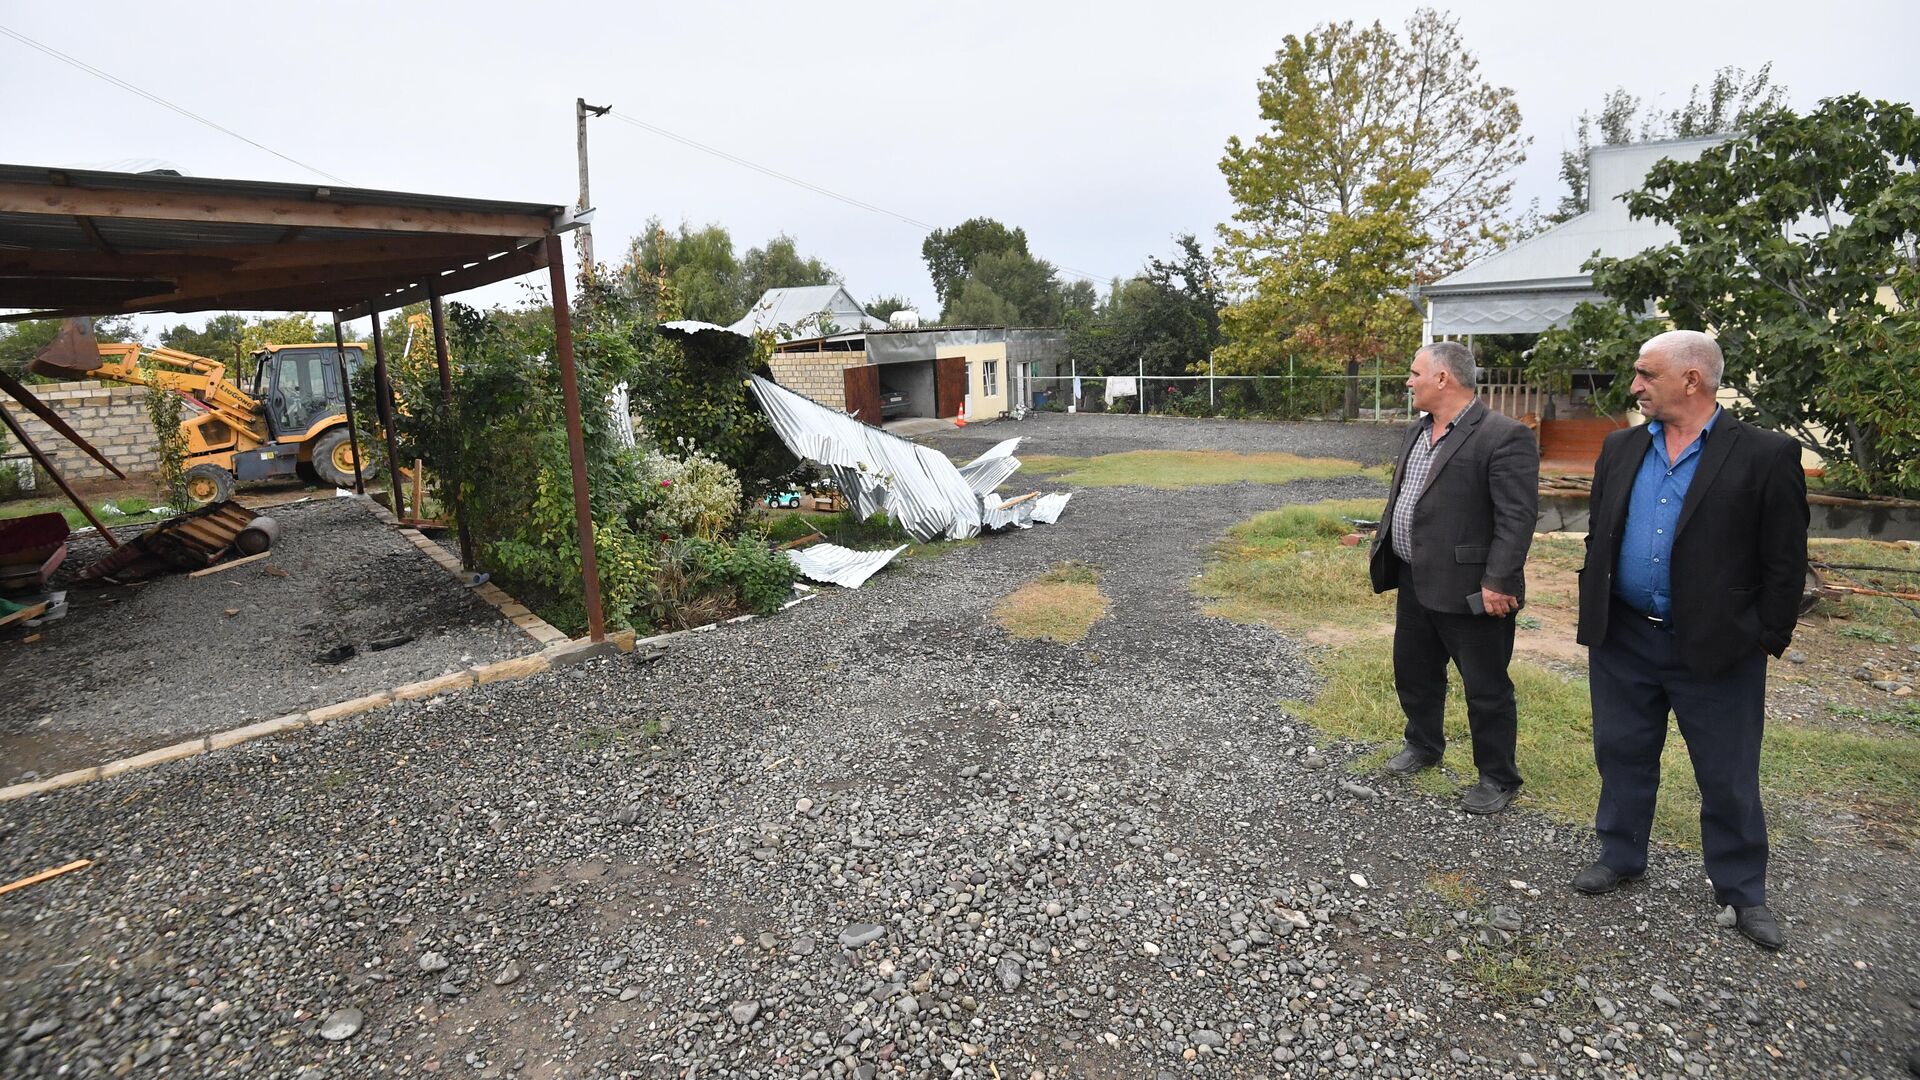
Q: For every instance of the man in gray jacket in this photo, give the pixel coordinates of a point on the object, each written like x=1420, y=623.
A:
x=1453, y=541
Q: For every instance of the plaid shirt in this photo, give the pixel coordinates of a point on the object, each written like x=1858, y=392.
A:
x=1419, y=464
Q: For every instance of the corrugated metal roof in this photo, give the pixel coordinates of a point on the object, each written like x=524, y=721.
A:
x=803, y=310
x=1554, y=258
x=96, y=180
x=841, y=566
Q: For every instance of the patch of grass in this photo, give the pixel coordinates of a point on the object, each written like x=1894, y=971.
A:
x=124, y=509
x=1904, y=715
x=1286, y=568
x=1170, y=469
x=844, y=529
x=1879, y=635
x=608, y=736
x=1453, y=889
x=1563, y=552
x=1062, y=605
x=1510, y=971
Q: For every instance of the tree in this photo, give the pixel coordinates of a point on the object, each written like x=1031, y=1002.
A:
x=21, y=341
x=1166, y=318
x=1723, y=105
x=696, y=265
x=1797, y=250
x=780, y=265
x=883, y=307
x=1335, y=295
x=952, y=253
x=976, y=304
x=1353, y=110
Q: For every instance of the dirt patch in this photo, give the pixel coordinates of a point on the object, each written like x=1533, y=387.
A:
x=135, y=667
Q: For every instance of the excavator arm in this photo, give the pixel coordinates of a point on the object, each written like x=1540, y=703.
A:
x=75, y=354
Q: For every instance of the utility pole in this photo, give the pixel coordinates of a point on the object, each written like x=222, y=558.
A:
x=580, y=112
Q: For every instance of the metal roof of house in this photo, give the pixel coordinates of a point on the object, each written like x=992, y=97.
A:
x=803, y=309
x=88, y=242
x=1537, y=282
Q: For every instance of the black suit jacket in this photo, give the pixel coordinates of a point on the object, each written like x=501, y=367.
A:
x=1474, y=520
x=1739, y=548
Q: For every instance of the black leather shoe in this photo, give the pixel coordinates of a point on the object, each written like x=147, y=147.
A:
x=1409, y=761
x=1487, y=797
x=1601, y=878
x=1757, y=923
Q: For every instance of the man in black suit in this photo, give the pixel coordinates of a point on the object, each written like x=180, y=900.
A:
x=1696, y=558
x=1453, y=541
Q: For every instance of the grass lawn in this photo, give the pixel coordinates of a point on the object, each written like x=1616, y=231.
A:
x=115, y=511
x=1287, y=569
x=1061, y=606
x=1169, y=469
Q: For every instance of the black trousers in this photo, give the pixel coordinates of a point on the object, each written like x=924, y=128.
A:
x=1481, y=647
x=1637, y=678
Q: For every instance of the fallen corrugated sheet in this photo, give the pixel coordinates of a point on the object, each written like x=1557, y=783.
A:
x=1046, y=508
x=991, y=469
x=841, y=566
x=916, y=485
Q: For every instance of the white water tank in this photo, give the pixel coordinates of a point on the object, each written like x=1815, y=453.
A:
x=906, y=319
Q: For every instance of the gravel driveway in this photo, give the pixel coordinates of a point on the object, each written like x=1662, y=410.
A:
x=875, y=836
x=135, y=667
x=1087, y=434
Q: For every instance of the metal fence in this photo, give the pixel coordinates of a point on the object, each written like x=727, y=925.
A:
x=1278, y=397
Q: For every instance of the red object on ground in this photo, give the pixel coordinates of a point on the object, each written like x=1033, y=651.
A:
x=31, y=549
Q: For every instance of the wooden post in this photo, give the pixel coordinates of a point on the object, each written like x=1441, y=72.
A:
x=576, y=438
x=383, y=401
x=346, y=392
x=38, y=455
x=443, y=357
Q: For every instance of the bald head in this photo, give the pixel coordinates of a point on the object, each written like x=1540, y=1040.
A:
x=1688, y=350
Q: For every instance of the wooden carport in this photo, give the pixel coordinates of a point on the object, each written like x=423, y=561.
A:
x=76, y=242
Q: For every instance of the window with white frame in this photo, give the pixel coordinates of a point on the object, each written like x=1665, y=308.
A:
x=990, y=377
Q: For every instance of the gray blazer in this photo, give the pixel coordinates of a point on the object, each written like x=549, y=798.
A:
x=1474, y=521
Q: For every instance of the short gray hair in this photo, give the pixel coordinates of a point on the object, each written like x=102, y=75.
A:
x=1456, y=358
x=1690, y=349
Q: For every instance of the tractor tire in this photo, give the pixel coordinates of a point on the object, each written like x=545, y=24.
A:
x=207, y=484
x=333, y=458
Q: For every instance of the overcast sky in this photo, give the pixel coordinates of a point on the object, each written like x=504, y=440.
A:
x=1096, y=127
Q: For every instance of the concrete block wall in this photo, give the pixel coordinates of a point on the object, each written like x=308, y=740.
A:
x=112, y=418
x=817, y=374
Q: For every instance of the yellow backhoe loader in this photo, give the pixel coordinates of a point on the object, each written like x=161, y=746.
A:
x=292, y=423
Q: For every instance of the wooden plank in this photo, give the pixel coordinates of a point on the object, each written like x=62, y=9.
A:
x=31, y=611
x=317, y=250
x=93, y=234
x=523, y=261
x=227, y=209
x=1021, y=499
x=230, y=564
x=35, y=879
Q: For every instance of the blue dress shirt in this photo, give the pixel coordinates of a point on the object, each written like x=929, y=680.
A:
x=1644, y=578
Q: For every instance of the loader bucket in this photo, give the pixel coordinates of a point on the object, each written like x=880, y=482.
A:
x=74, y=353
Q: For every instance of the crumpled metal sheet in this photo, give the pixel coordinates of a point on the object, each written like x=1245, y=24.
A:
x=991, y=469
x=841, y=566
x=1046, y=508
x=999, y=515
x=915, y=485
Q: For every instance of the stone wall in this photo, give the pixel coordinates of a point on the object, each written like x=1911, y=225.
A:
x=113, y=418
x=816, y=374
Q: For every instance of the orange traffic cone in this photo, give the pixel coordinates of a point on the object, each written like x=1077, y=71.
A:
x=961, y=420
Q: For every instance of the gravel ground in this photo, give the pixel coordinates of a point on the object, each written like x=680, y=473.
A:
x=132, y=668
x=1087, y=434
x=875, y=836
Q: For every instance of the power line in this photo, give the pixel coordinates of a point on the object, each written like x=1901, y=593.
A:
x=158, y=100
x=797, y=182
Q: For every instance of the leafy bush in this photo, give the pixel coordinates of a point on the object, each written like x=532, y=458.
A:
x=693, y=495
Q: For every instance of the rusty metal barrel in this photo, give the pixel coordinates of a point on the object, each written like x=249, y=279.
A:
x=258, y=536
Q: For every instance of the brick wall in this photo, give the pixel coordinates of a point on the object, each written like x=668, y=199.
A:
x=112, y=418
x=816, y=374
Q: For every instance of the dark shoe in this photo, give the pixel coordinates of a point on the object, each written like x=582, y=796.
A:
x=1409, y=761
x=1601, y=878
x=1757, y=923
x=1487, y=797
x=1913, y=1061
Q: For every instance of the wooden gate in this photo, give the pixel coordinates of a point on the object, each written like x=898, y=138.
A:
x=863, y=393
x=949, y=386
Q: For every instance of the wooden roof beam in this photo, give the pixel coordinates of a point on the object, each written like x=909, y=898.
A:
x=261, y=210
